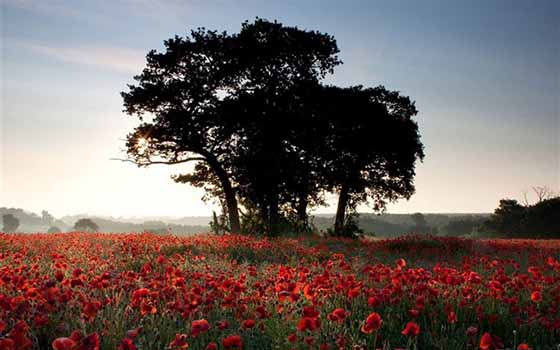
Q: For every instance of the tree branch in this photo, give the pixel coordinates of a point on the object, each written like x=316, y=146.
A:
x=160, y=162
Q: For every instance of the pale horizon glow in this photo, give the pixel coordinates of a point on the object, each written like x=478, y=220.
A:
x=485, y=77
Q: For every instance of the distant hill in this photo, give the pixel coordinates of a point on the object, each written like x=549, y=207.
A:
x=398, y=224
x=31, y=222
x=380, y=225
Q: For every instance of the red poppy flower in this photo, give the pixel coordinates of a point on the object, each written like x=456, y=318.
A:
x=412, y=329
x=247, y=324
x=490, y=342
x=199, y=327
x=308, y=324
x=232, y=342
x=536, y=296
x=452, y=317
x=179, y=342
x=63, y=344
x=127, y=344
x=372, y=323
x=292, y=338
x=338, y=315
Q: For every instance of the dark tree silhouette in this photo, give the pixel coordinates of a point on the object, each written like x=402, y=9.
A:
x=507, y=217
x=54, y=229
x=420, y=225
x=533, y=221
x=371, y=147
x=184, y=87
x=277, y=152
x=11, y=223
x=47, y=217
x=86, y=224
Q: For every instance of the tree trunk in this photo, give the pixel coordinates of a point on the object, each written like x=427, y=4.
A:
x=341, y=210
x=231, y=203
x=273, y=214
x=229, y=193
x=302, y=208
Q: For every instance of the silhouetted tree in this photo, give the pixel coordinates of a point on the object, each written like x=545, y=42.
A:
x=54, y=229
x=507, y=217
x=86, y=224
x=47, y=217
x=543, y=218
x=11, y=223
x=183, y=88
x=539, y=220
x=420, y=225
x=277, y=159
x=370, y=148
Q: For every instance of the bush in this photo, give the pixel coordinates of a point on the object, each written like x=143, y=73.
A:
x=54, y=229
x=11, y=223
x=87, y=225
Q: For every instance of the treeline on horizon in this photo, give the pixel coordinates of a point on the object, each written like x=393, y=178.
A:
x=387, y=225
x=31, y=222
x=511, y=219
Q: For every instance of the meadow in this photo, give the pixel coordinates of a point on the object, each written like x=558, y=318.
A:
x=142, y=291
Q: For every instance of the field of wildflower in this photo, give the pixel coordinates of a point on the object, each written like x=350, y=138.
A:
x=141, y=291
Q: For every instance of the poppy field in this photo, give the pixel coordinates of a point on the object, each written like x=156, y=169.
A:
x=85, y=291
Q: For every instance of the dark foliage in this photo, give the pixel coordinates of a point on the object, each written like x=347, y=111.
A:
x=541, y=220
x=86, y=225
x=11, y=223
x=250, y=109
x=54, y=229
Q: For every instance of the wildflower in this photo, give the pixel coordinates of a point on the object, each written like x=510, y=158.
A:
x=232, y=342
x=292, y=338
x=308, y=323
x=62, y=344
x=199, y=327
x=536, y=296
x=372, y=323
x=412, y=329
x=338, y=314
x=452, y=317
x=247, y=324
x=179, y=342
x=490, y=342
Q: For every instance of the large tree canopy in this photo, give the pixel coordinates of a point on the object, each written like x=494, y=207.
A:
x=251, y=110
x=371, y=145
x=181, y=89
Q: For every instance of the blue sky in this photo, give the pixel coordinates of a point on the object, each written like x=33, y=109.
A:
x=485, y=76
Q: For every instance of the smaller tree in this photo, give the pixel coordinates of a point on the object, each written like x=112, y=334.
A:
x=11, y=223
x=507, y=218
x=54, y=229
x=87, y=225
x=420, y=224
x=47, y=217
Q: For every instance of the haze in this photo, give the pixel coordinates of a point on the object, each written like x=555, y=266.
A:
x=485, y=76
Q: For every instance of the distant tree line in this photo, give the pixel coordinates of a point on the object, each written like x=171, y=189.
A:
x=31, y=222
x=269, y=139
x=540, y=220
x=10, y=223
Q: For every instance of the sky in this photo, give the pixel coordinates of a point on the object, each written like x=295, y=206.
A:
x=485, y=76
